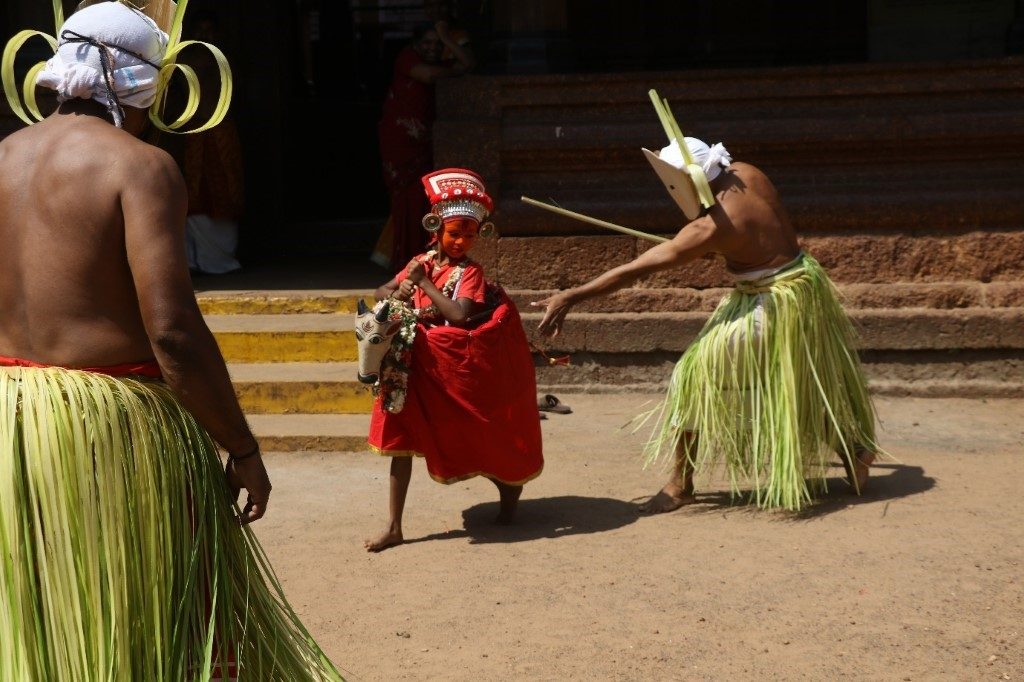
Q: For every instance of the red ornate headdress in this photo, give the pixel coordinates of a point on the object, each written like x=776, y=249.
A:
x=456, y=192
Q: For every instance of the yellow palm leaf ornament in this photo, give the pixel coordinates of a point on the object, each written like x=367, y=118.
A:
x=168, y=16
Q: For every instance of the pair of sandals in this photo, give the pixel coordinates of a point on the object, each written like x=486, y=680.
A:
x=550, y=403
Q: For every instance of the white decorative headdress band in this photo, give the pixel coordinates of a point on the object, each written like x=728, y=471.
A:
x=460, y=208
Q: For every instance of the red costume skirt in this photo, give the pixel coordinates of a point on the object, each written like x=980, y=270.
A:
x=146, y=368
x=471, y=405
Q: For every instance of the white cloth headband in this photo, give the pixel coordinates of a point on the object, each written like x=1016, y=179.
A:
x=131, y=45
x=710, y=159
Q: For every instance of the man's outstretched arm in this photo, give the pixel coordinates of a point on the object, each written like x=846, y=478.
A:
x=693, y=241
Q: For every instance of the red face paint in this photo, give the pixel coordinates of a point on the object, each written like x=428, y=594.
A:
x=458, y=236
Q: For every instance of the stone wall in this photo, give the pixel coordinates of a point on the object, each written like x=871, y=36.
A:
x=903, y=180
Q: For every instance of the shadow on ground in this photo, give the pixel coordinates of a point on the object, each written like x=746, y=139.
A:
x=901, y=481
x=546, y=517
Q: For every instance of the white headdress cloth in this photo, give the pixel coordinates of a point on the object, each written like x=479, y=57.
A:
x=76, y=70
x=712, y=159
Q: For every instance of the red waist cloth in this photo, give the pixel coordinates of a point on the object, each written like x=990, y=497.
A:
x=471, y=405
x=146, y=368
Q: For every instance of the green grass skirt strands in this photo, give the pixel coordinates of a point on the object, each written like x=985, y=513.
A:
x=775, y=410
x=120, y=554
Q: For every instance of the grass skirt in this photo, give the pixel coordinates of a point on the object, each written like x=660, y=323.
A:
x=772, y=387
x=120, y=554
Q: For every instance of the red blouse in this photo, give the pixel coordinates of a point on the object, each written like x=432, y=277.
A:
x=471, y=285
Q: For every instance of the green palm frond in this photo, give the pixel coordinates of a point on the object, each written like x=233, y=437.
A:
x=120, y=554
x=773, y=409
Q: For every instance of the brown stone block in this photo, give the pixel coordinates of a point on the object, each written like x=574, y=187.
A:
x=887, y=296
x=940, y=329
x=485, y=252
x=467, y=97
x=561, y=262
x=915, y=329
x=477, y=147
x=1003, y=294
x=918, y=373
x=557, y=262
x=626, y=300
x=903, y=295
x=624, y=332
x=979, y=256
x=661, y=300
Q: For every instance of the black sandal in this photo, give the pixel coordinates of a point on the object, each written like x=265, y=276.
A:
x=550, y=403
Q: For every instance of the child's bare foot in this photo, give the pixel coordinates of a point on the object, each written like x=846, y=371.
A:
x=509, y=502
x=389, y=538
x=671, y=497
x=861, y=470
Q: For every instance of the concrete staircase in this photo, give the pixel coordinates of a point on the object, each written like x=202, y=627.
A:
x=292, y=357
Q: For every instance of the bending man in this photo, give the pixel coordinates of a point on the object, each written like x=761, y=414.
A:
x=772, y=384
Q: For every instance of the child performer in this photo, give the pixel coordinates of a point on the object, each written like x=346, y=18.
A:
x=469, y=406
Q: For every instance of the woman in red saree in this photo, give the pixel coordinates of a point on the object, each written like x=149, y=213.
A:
x=405, y=134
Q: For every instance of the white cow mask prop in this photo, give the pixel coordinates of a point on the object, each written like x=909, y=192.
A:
x=374, y=333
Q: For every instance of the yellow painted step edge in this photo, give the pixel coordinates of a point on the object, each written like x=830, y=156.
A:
x=304, y=397
x=278, y=305
x=331, y=346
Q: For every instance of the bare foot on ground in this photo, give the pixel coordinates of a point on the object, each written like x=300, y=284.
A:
x=388, y=538
x=861, y=470
x=669, y=498
x=509, y=502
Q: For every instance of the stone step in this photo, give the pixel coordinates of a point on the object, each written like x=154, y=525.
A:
x=346, y=433
x=895, y=295
x=911, y=329
x=940, y=388
x=921, y=373
x=942, y=295
x=300, y=337
x=281, y=302
x=882, y=259
x=311, y=432
x=300, y=387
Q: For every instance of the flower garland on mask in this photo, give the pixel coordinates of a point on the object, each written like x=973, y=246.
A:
x=393, y=383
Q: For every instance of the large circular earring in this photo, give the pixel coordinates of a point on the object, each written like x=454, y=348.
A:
x=487, y=230
x=431, y=222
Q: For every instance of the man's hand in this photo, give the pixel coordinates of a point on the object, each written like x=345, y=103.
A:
x=251, y=474
x=405, y=290
x=443, y=31
x=557, y=307
x=416, y=271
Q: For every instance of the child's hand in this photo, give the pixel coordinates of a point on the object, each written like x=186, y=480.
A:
x=416, y=271
x=405, y=290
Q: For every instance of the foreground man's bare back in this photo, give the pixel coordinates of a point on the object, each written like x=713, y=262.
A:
x=67, y=292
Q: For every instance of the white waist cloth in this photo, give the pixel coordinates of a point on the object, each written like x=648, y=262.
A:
x=754, y=275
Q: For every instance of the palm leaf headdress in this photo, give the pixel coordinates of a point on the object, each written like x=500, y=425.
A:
x=168, y=16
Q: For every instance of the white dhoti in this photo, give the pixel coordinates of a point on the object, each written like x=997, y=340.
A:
x=210, y=244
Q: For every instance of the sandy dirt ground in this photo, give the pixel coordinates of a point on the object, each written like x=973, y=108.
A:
x=920, y=579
